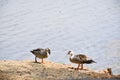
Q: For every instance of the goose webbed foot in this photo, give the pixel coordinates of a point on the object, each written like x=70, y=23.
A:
x=76, y=68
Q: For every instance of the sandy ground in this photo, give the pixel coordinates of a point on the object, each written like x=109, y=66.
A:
x=28, y=70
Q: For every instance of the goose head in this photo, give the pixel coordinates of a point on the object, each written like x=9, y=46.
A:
x=70, y=53
x=48, y=50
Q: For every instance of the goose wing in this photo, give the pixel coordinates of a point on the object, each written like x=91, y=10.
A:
x=82, y=57
x=39, y=51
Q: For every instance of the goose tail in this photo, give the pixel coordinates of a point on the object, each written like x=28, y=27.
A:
x=32, y=51
x=90, y=61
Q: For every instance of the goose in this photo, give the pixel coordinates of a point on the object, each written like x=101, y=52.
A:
x=41, y=53
x=79, y=59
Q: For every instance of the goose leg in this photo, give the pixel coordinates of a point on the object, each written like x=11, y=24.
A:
x=42, y=60
x=35, y=59
x=81, y=66
x=78, y=66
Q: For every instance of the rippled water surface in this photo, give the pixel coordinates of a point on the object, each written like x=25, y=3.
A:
x=91, y=27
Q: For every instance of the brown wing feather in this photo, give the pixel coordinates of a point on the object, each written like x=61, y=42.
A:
x=82, y=57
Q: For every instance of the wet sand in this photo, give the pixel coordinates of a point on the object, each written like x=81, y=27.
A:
x=28, y=70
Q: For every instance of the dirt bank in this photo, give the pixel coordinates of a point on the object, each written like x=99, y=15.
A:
x=28, y=70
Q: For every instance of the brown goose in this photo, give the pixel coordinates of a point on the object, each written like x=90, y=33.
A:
x=41, y=53
x=79, y=59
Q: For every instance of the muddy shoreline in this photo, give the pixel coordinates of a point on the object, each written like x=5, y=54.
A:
x=28, y=70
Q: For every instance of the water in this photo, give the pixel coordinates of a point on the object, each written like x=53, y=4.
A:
x=84, y=26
